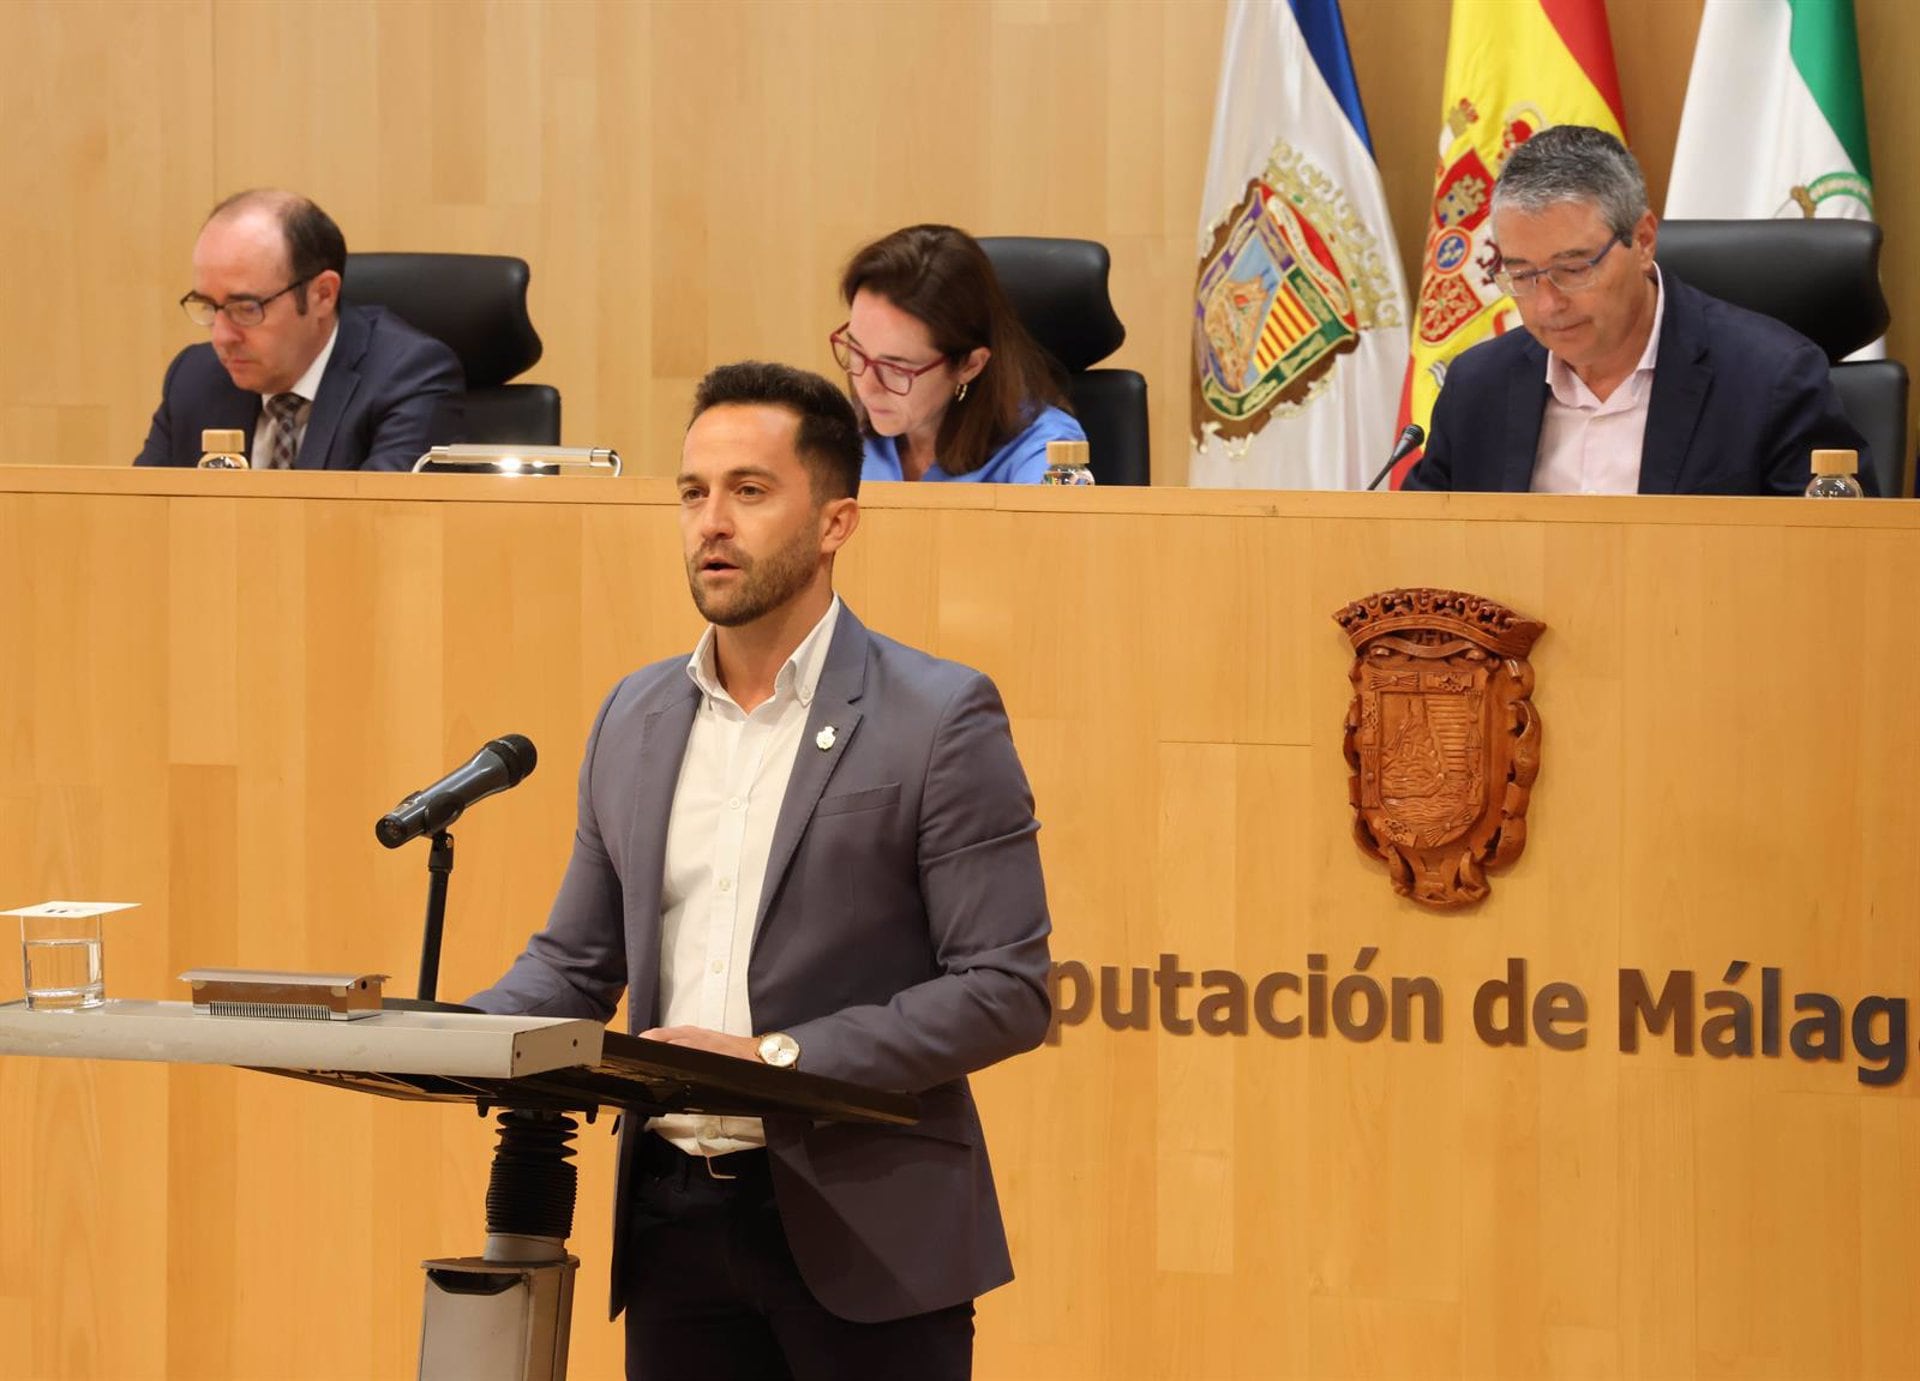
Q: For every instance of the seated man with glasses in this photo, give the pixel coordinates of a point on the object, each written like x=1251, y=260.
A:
x=315, y=384
x=1625, y=380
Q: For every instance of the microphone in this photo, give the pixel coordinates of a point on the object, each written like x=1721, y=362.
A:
x=1404, y=447
x=502, y=763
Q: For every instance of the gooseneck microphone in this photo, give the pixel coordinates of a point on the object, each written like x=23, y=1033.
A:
x=503, y=763
x=1404, y=447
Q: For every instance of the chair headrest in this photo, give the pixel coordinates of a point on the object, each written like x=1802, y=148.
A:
x=475, y=303
x=1821, y=277
x=1059, y=290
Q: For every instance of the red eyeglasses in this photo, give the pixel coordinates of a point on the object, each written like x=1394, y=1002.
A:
x=894, y=378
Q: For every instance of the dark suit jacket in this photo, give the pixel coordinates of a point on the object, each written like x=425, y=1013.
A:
x=388, y=394
x=901, y=939
x=1739, y=403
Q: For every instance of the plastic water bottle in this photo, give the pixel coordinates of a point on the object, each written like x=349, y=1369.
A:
x=1833, y=475
x=220, y=449
x=1067, y=463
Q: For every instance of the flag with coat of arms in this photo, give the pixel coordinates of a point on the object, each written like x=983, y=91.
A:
x=1775, y=122
x=1513, y=68
x=1299, y=307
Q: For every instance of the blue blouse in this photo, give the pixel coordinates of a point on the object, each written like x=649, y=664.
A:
x=1022, y=460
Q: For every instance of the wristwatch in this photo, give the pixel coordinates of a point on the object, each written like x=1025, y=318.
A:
x=780, y=1050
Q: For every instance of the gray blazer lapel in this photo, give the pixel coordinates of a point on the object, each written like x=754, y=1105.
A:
x=842, y=681
x=663, y=745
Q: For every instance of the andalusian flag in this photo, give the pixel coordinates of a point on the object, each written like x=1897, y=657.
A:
x=1299, y=306
x=1513, y=68
x=1774, y=123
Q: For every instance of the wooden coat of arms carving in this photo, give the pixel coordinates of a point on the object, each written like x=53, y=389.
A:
x=1442, y=738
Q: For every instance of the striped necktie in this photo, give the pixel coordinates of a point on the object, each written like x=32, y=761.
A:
x=289, y=412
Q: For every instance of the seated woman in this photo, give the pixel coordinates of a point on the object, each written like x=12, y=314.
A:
x=947, y=382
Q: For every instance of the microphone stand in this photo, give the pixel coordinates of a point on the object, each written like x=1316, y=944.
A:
x=1413, y=436
x=500, y=764
x=439, y=869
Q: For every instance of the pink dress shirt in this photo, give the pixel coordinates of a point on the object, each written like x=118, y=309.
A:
x=1592, y=447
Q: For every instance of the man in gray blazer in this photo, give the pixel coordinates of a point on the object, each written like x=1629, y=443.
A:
x=811, y=846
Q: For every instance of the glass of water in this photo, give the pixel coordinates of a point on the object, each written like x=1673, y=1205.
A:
x=62, y=962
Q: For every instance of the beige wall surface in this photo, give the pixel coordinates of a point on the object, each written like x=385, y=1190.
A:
x=687, y=178
x=211, y=690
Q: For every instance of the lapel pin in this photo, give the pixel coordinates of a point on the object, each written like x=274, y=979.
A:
x=824, y=739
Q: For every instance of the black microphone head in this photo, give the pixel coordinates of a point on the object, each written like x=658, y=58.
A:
x=517, y=752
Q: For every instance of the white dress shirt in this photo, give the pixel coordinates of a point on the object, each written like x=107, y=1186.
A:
x=1592, y=447
x=732, y=783
x=308, y=387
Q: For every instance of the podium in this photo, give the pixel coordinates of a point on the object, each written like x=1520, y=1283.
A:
x=504, y=1315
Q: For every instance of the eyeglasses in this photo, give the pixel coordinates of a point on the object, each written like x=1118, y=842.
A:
x=894, y=378
x=1568, y=278
x=241, y=311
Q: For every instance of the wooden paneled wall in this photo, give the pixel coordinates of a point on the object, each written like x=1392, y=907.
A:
x=687, y=176
x=211, y=691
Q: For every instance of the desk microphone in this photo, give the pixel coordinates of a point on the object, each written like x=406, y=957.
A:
x=1404, y=447
x=502, y=763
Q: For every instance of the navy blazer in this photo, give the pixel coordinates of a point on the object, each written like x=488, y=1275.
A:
x=1739, y=403
x=901, y=940
x=388, y=394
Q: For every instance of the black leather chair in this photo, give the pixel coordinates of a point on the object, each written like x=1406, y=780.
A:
x=477, y=305
x=1823, y=279
x=1059, y=289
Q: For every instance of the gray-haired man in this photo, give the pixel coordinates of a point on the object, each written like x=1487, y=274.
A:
x=1625, y=380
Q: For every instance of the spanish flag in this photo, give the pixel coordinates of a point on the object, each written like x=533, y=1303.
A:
x=1513, y=68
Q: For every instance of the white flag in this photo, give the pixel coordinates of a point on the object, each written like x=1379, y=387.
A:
x=1775, y=123
x=1299, y=326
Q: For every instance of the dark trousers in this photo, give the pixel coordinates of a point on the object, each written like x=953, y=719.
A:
x=713, y=1292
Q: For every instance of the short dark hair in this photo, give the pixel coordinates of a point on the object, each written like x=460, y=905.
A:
x=314, y=243
x=940, y=276
x=1565, y=163
x=828, y=439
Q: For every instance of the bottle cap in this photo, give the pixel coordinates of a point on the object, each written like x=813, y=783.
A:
x=1836, y=462
x=1066, y=453
x=219, y=441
